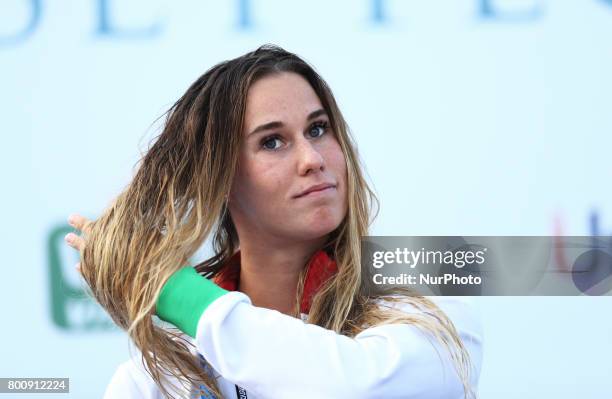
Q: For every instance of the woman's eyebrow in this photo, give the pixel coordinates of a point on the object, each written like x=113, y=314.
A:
x=316, y=113
x=266, y=126
x=277, y=124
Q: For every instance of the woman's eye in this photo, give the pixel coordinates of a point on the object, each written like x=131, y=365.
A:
x=274, y=142
x=317, y=129
x=269, y=143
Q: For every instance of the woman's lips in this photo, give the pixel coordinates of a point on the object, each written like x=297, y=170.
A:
x=318, y=193
x=316, y=187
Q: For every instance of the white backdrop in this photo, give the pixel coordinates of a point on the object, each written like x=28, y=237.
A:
x=472, y=117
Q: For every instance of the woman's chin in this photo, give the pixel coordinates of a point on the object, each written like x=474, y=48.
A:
x=318, y=228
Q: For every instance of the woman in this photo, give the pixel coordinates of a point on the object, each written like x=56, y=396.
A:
x=257, y=153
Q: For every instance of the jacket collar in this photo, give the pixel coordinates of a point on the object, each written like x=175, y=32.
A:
x=320, y=268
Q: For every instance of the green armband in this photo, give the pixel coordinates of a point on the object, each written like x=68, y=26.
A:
x=184, y=298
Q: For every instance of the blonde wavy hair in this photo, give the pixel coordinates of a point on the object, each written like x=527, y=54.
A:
x=177, y=199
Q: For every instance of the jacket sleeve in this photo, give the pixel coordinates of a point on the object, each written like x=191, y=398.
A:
x=278, y=356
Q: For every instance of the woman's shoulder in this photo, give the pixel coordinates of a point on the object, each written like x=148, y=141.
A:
x=464, y=314
x=132, y=380
x=462, y=311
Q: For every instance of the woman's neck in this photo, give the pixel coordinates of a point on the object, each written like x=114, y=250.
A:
x=269, y=275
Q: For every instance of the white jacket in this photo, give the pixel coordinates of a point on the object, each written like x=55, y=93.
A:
x=272, y=355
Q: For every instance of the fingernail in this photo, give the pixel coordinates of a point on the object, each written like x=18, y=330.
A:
x=69, y=237
x=71, y=220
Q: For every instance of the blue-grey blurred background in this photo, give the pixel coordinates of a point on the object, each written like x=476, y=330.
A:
x=472, y=117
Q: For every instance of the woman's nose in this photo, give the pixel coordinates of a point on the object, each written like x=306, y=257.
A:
x=309, y=158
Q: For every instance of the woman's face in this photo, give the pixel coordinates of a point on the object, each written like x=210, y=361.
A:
x=288, y=148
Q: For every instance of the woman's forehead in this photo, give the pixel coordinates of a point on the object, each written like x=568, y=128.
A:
x=285, y=97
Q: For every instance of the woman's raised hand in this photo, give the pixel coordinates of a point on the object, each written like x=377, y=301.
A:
x=77, y=242
x=183, y=298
